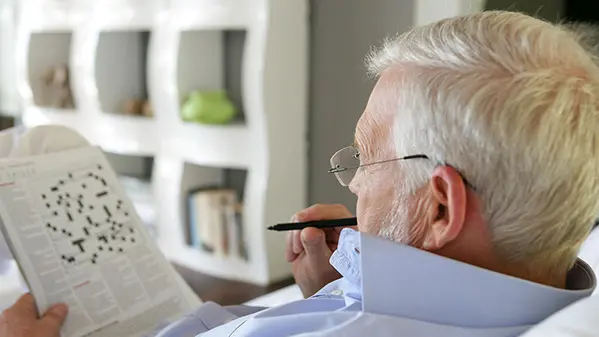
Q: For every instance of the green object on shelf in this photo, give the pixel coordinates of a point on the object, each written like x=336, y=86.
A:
x=208, y=107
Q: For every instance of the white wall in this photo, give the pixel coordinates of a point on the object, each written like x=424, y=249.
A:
x=342, y=33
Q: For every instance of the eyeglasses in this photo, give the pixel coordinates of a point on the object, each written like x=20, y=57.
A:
x=346, y=162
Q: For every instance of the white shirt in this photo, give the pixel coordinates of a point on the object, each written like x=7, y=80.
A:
x=390, y=289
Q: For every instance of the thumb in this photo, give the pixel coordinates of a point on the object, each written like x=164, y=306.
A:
x=54, y=317
x=314, y=242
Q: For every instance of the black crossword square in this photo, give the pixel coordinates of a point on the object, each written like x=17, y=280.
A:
x=91, y=204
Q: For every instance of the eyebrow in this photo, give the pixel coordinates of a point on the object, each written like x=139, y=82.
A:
x=356, y=144
x=361, y=141
x=361, y=147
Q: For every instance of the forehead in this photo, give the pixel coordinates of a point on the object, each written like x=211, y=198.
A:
x=375, y=124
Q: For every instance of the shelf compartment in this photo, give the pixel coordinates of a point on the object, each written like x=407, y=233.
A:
x=212, y=202
x=121, y=71
x=48, y=69
x=175, y=178
x=135, y=175
x=136, y=167
x=211, y=61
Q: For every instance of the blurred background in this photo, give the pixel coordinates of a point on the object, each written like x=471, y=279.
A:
x=219, y=115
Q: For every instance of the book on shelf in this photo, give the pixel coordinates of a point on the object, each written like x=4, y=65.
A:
x=77, y=239
x=215, y=222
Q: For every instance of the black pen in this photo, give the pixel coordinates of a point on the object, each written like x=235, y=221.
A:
x=316, y=224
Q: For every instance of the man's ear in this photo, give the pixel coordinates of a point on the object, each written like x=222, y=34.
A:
x=448, y=209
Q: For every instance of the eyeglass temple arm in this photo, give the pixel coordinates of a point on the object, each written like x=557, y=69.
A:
x=342, y=168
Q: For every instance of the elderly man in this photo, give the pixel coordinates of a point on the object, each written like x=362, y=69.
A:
x=475, y=165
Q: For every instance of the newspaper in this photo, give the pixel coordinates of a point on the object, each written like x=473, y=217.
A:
x=78, y=240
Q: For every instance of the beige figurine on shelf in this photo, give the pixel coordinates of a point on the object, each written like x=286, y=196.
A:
x=138, y=107
x=57, y=84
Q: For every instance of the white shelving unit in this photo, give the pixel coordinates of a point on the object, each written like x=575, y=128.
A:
x=70, y=32
x=99, y=40
x=9, y=102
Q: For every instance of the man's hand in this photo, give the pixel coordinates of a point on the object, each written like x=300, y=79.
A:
x=21, y=320
x=309, y=250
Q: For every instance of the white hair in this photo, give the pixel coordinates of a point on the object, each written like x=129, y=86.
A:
x=511, y=102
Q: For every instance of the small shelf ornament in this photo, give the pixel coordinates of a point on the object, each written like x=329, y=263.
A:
x=58, y=88
x=208, y=107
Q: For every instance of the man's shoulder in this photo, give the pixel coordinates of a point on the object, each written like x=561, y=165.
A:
x=372, y=324
x=317, y=317
x=207, y=317
x=292, y=318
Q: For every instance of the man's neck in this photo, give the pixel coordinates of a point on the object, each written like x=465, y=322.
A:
x=537, y=275
x=487, y=259
x=528, y=272
x=474, y=246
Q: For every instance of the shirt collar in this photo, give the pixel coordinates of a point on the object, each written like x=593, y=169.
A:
x=403, y=281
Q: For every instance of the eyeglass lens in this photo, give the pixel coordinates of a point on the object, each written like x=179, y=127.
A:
x=347, y=158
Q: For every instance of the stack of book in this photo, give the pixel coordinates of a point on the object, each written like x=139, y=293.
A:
x=215, y=222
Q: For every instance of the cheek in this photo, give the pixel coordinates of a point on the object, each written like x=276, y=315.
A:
x=417, y=229
x=420, y=207
x=374, y=205
x=362, y=214
x=368, y=217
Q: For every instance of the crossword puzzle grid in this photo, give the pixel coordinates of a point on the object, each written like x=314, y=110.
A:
x=86, y=219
